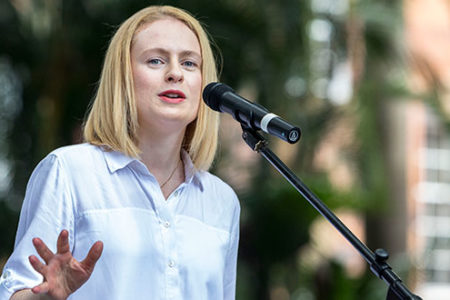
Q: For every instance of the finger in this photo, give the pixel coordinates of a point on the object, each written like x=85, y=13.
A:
x=94, y=254
x=42, y=250
x=62, y=245
x=36, y=264
x=41, y=288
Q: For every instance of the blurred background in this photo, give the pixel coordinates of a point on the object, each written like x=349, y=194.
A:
x=367, y=81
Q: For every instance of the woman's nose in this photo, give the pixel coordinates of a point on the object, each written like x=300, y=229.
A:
x=174, y=73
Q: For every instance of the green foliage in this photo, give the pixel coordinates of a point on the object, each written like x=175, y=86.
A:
x=275, y=228
x=277, y=212
x=264, y=44
x=8, y=224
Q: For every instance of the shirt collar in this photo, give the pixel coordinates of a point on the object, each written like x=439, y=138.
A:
x=117, y=160
x=191, y=174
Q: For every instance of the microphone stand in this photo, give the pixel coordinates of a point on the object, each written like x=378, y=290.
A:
x=377, y=261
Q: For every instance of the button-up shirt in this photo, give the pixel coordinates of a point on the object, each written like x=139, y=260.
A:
x=182, y=247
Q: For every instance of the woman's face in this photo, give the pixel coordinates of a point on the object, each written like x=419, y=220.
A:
x=166, y=62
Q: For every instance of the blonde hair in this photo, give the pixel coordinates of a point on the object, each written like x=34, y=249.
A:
x=112, y=121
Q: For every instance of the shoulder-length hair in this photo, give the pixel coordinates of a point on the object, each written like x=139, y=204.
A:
x=112, y=121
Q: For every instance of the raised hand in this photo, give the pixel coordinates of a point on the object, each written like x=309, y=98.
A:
x=62, y=274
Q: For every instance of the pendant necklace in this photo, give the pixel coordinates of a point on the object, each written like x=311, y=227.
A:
x=170, y=177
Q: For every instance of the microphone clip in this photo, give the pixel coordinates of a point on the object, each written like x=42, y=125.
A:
x=253, y=139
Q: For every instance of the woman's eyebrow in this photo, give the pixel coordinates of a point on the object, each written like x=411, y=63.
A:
x=166, y=52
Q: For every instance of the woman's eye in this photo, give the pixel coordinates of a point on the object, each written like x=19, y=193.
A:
x=155, y=61
x=189, y=64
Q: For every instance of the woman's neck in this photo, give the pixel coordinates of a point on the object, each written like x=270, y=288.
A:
x=161, y=154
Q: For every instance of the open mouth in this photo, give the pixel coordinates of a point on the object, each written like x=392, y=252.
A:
x=172, y=96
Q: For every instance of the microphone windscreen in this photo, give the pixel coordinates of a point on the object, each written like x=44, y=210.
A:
x=213, y=92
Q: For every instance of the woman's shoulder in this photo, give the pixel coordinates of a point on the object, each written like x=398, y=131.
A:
x=76, y=150
x=77, y=156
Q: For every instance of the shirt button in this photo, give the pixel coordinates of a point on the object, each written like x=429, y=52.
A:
x=5, y=279
x=166, y=224
x=171, y=264
x=6, y=274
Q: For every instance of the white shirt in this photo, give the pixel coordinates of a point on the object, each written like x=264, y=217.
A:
x=184, y=247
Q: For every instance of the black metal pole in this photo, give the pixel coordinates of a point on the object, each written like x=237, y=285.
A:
x=377, y=260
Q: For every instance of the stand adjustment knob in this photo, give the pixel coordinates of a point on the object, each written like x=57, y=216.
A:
x=381, y=255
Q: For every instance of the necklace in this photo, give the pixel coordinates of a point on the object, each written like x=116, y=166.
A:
x=170, y=177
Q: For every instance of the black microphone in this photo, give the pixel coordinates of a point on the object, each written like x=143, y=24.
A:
x=222, y=98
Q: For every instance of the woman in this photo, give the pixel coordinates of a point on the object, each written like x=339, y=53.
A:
x=133, y=213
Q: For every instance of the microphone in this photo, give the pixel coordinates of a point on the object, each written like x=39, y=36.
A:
x=222, y=98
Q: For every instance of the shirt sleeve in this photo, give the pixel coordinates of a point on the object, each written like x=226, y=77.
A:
x=46, y=210
x=231, y=259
